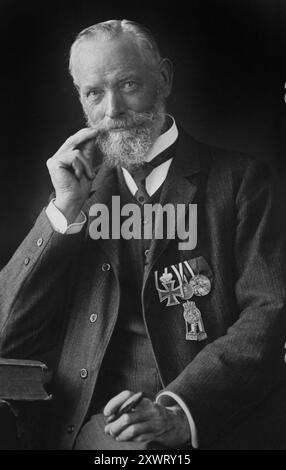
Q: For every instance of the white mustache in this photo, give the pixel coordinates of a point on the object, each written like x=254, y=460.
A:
x=129, y=122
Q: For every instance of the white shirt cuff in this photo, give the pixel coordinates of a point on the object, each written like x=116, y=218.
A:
x=182, y=404
x=59, y=222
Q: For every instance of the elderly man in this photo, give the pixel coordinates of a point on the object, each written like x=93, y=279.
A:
x=198, y=326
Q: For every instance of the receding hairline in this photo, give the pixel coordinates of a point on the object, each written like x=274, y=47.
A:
x=111, y=29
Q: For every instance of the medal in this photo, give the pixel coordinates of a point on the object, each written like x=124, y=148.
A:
x=194, y=324
x=201, y=285
x=196, y=284
x=170, y=293
x=199, y=282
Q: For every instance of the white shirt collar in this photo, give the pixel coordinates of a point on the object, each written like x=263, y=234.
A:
x=158, y=175
x=164, y=141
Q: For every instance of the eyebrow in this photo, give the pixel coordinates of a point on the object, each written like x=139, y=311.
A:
x=130, y=77
x=126, y=76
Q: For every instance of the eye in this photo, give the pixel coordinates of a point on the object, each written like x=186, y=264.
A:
x=130, y=85
x=93, y=95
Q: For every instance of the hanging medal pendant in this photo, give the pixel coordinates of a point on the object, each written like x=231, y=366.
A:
x=194, y=324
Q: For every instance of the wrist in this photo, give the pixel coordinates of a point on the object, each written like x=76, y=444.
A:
x=69, y=208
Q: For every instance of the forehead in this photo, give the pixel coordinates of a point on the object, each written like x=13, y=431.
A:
x=100, y=59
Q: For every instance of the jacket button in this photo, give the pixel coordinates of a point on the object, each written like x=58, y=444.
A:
x=83, y=373
x=39, y=241
x=26, y=260
x=70, y=428
x=93, y=317
x=105, y=267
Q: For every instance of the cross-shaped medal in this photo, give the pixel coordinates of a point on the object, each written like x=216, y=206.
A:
x=170, y=292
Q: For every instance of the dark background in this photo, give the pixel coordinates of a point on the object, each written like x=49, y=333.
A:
x=229, y=85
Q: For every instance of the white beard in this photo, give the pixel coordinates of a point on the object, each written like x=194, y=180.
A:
x=129, y=146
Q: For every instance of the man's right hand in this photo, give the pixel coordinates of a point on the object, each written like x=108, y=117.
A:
x=71, y=171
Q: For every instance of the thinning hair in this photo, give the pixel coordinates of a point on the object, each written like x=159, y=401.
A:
x=113, y=28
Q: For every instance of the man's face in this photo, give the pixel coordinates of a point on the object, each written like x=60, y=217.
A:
x=122, y=97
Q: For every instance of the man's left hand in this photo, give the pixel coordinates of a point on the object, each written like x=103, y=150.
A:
x=149, y=421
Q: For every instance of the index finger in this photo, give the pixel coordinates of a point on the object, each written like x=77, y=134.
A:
x=114, y=404
x=78, y=138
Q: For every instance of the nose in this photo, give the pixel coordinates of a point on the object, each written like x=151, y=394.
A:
x=114, y=105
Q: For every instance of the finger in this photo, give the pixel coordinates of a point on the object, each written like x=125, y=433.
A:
x=143, y=412
x=114, y=404
x=116, y=427
x=73, y=159
x=135, y=430
x=110, y=418
x=87, y=166
x=144, y=437
x=78, y=138
x=78, y=167
x=63, y=160
x=69, y=160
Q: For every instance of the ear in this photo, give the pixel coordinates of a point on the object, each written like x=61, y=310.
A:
x=166, y=74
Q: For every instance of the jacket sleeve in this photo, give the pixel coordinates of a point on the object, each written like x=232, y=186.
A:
x=240, y=369
x=32, y=291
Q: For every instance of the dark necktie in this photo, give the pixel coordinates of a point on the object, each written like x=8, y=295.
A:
x=140, y=174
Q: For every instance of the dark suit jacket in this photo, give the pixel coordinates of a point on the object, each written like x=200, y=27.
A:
x=54, y=283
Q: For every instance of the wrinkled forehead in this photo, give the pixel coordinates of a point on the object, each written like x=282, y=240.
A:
x=101, y=57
